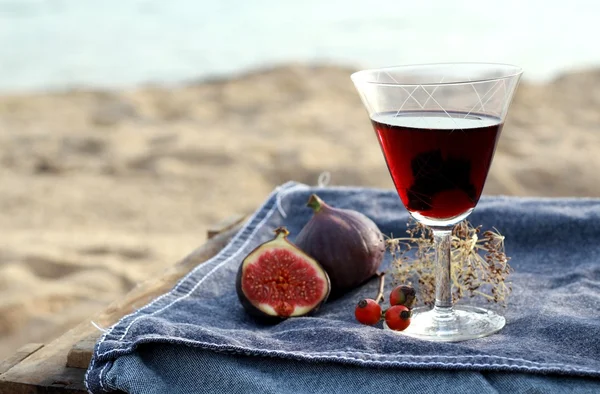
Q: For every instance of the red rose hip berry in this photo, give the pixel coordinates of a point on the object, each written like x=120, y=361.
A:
x=397, y=317
x=403, y=295
x=368, y=312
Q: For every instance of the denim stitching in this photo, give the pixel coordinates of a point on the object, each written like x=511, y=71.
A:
x=341, y=356
x=100, y=377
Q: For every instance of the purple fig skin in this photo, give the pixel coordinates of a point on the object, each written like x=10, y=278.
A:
x=347, y=244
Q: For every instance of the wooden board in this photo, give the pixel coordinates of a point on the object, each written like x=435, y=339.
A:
x=80, y=354
x=43, y=369
x=19, y=356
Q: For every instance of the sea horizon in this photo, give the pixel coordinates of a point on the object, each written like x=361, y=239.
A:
x=62, y=45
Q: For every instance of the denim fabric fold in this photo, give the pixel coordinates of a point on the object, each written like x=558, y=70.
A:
x=553, y=324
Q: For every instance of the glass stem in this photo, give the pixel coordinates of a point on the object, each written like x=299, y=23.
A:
x=443, y=283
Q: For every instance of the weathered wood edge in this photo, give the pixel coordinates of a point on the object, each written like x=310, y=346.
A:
x=21, y=354
x=224, y=225
x=80, y=354
x=45, y=370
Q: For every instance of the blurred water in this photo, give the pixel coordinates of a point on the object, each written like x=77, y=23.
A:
x=46, y=44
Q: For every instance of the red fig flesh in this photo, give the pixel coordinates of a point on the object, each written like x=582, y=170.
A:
x=278, y=280
x=348, y=244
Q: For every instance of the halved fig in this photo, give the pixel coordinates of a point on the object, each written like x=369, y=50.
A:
x=277, y=280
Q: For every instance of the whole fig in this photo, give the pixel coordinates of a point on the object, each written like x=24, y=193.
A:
x=347, y=244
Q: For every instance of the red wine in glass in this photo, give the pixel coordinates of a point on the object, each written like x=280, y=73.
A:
x=438, y=160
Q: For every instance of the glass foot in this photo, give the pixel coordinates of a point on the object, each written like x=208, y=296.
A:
x=459, y=323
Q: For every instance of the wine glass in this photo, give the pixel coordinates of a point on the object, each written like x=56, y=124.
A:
x=438, y=125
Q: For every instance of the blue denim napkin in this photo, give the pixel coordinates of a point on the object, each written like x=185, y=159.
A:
x=197, y=337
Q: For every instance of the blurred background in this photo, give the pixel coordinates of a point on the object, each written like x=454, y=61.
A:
x=127, y=127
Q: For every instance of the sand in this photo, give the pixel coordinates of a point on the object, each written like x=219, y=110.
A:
x=102, y=189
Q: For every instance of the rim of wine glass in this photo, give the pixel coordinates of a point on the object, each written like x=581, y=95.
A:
x=517, y=71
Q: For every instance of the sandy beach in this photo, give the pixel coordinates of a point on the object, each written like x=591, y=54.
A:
x=102, y=189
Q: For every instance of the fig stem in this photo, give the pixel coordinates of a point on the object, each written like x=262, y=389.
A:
x=379, y=297
x=281, y=230
x=315, y=203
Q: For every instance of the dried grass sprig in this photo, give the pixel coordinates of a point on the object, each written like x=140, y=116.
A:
x=479, y=264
